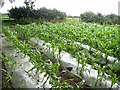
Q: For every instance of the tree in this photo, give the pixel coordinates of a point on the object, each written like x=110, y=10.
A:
x=99, y=18
x=29, y=3
x=1, y=3
x=88, y=17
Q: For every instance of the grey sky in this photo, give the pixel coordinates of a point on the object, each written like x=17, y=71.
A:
x=71, y=7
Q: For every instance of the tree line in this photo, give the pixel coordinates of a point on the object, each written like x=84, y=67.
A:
x=99, y=18
x=28, y=13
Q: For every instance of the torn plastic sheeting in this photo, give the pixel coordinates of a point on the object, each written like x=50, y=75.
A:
x=20, y=76
x=90, y=75
x=37, y=41
x=44, y=47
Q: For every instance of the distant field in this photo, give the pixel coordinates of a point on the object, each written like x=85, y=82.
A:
x=73, y=19
x=6, y=21
x=5, y=17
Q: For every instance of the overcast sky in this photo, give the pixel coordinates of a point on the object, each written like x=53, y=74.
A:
x=71, y=7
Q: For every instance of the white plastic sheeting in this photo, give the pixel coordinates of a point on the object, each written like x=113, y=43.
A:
x=21, y=78
x=89, y=74
x=110, y=58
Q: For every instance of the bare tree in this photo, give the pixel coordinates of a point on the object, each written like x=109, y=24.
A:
x=2, y=2
x=29, y=3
